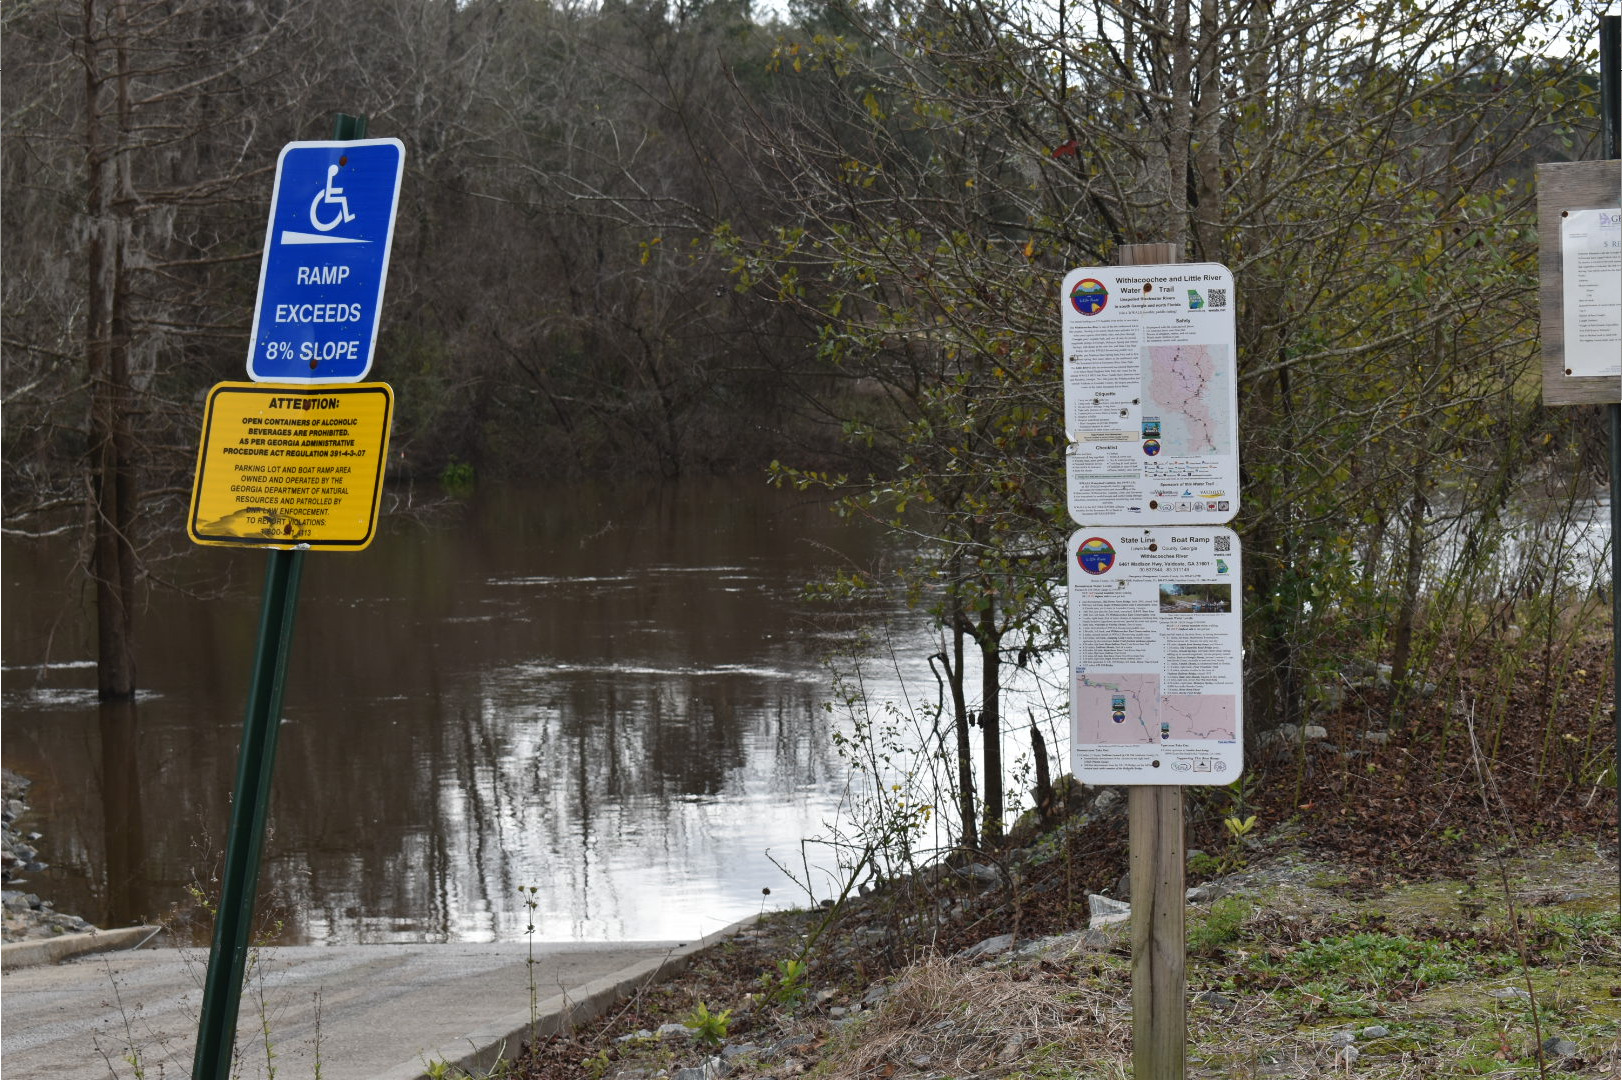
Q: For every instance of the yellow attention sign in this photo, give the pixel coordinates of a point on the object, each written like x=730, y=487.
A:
x=291, y=467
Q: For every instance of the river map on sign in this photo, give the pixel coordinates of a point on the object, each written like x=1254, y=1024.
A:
x=1130, y=710
x=1186, y=385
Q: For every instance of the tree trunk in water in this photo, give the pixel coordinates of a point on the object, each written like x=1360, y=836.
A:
x=109, y=458
x=123, y=839
x=990, y=722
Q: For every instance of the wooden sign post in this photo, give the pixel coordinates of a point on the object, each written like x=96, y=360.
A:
x=1154, y=581
x=1159, y=983
x=1158, y=875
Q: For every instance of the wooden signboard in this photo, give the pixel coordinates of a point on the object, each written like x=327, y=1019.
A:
x=1563, y=188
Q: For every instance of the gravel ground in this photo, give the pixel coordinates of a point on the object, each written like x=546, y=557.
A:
x=26, y=916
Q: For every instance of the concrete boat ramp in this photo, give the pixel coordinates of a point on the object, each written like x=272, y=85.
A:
x=371, y=1012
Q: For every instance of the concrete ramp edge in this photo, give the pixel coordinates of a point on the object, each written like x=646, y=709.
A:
x=478, y=1052
x=21, y=954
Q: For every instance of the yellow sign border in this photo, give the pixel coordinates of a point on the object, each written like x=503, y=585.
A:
x=316, y=539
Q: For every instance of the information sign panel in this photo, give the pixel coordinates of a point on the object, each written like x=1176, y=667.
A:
x=1151, y=400
x=326, y=255
x=1591, y=283
x=1578, y=275
x=1156, y=687
x=291, y=467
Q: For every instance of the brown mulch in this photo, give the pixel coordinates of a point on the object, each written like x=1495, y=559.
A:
x=1419, y=804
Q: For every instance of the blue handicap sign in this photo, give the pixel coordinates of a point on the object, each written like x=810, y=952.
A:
x=326, y=254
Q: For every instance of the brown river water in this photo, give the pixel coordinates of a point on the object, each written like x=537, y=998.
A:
x=613, y=695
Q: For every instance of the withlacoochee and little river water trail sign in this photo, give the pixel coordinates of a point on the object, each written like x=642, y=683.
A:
x=1151, y=400
x=326, y=255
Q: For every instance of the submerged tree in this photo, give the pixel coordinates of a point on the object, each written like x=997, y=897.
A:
x=132, y=131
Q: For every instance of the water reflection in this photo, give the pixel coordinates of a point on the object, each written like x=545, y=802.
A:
x=613, y=697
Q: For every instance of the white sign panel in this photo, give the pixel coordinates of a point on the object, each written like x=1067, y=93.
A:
x=1591, y=277
x=1156, y=688
x=1151, y=397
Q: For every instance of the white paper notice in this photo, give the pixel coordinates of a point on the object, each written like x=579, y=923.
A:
x=1591, y=281
x=1151, y=397
x=1156, y=683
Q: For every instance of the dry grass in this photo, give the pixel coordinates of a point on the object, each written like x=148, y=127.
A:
x=949, y=1017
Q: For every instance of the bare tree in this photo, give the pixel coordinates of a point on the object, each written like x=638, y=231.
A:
x=158, y=115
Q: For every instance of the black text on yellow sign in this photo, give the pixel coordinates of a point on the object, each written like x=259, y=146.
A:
x=291, y=467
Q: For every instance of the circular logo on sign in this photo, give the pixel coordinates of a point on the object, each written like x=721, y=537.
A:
x=1095, y=555
x=1151, y=447
x=1089, y=296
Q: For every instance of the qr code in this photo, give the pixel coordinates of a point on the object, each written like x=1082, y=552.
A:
x=1221, y=543
x=1216, y=298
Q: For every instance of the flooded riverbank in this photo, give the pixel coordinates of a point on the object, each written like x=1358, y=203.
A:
x=613, y=697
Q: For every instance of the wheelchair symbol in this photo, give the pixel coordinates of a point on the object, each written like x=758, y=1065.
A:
x=333, y=196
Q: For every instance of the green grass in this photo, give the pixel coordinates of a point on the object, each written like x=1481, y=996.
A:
x=1373, y=965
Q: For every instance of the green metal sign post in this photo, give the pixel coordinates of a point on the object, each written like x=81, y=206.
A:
x=228, y=958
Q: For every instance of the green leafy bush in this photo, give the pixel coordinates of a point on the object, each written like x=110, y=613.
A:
x=709, y=1029
x=787, y=987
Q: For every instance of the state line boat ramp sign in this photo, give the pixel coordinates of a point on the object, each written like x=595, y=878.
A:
x=1151, y=398
x=1155, y=655
x=291, y=467
x=326, y=254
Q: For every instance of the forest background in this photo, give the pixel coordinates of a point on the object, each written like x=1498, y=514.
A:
x=825, y=243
